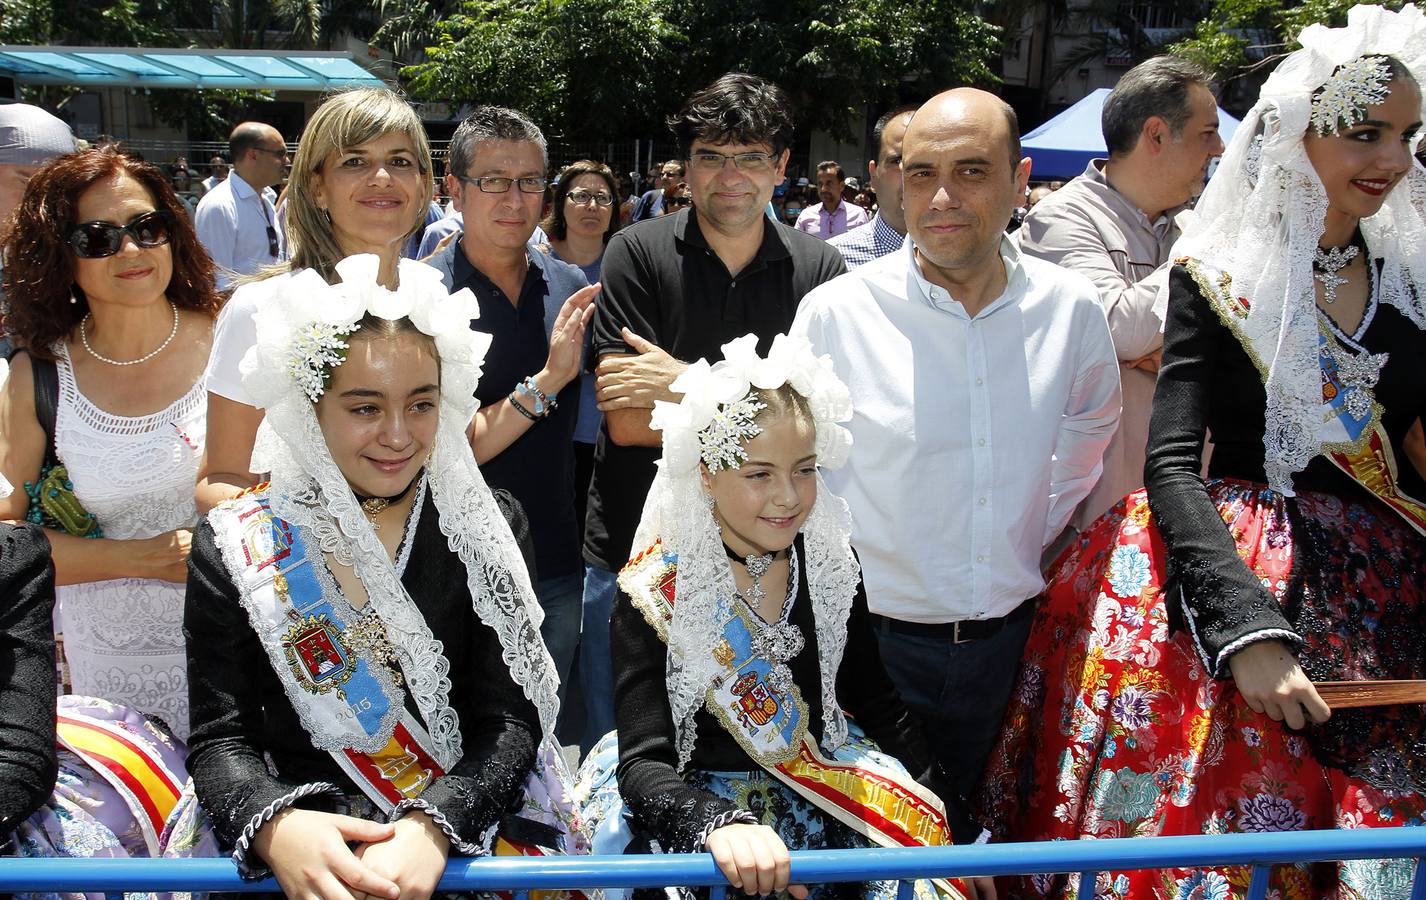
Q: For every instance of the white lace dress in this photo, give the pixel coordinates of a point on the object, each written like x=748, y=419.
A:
x=123, y=638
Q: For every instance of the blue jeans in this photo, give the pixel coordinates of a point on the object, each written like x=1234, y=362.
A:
x=958, y=691
x=596, y=665
x=559, y=598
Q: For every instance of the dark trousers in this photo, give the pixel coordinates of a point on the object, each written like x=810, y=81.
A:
x=959, y=691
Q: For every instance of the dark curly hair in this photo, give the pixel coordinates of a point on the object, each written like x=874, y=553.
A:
x=736, y=109
x=39, y=264
x=555, y=224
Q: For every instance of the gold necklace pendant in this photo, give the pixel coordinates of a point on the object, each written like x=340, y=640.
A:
x=373, y=506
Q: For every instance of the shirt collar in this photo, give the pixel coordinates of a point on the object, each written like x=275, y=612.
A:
x=883, y=237
x=240, y=187
x=937, y=297
x=687, y=231
x=463, y=272
x=1095, y=173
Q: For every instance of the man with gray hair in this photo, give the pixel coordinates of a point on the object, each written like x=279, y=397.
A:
x=29, y=138
x=1117, y=223
x=530, y=303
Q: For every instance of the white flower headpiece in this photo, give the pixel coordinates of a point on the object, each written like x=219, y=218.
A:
x=715, y=416
x=302, y=337
x=1344, y=99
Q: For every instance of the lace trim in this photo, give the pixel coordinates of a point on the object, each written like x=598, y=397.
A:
x=106, y=422
x=460, y=846
x=723, y=820
x=408, y=531
x=243, y=844
x=1247, y=640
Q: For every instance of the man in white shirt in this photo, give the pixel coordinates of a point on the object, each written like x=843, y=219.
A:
x=984, y=390
x=236, y=221
x=832, y=216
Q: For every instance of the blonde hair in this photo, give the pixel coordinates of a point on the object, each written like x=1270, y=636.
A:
x=344, y=120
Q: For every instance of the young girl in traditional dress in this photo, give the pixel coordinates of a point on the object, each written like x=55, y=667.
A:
x=740, y=634
x=364, y=647
x=1175, y=679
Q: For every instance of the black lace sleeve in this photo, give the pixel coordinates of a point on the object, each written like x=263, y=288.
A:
x=678, y=816
x=226, y=709
x=27, y=675
x=869, y=696
x=1223, y=603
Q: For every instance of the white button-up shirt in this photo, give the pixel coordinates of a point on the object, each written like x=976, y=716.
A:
x=232, y=221
x=973, y=438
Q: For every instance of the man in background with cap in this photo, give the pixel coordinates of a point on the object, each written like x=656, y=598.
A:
x=29, y=138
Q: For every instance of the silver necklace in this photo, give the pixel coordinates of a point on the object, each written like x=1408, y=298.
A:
x=777, y=642
x=84, y=338
x=1331, y=262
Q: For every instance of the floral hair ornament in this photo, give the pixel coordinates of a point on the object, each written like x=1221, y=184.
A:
x=1344, y=99
x=716, y=415
x=303, y=337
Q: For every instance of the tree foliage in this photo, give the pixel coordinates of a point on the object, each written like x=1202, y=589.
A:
x=1242, y=37
x=601, y=69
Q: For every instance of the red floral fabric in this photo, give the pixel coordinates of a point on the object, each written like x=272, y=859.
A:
x=1116, y=729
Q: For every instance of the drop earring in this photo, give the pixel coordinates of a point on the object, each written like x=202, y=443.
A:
x=73, y=300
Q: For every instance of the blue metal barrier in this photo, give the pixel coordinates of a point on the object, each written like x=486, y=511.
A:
x=521, y=874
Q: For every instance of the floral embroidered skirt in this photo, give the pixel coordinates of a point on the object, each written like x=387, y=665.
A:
x=801, y=825
x=89, y=816
x=1116, y=729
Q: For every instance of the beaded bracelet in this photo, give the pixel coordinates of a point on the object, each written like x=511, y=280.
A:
x=544, y=403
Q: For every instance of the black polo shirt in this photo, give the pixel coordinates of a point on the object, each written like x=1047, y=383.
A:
x=662, y=281
x=538, y=468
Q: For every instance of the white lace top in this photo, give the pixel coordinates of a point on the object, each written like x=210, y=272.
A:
x=123, y=638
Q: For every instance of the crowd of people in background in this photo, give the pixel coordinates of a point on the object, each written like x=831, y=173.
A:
x=346, y=497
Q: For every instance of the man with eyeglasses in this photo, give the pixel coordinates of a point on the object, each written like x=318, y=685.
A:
x=651, y=204
x=675, y=289
x=529, y=387
x=236, y=221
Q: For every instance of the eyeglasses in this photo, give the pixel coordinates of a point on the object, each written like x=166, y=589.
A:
x=674, y=174
x=280, y=154
x=750, y=161
x=579, y=197
x=498, y=184
x=96, y=240
x=678, y=201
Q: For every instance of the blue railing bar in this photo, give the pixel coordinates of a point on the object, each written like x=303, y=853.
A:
x=717, y=892
x=1418, y=882
x=811, y=866
x=1087, y=881
x=905, y=890
x=1258, y=884
x=522, y=895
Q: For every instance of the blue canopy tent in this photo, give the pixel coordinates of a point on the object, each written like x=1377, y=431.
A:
x=1063, y=146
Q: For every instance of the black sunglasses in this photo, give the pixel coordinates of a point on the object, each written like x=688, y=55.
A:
x=96, y=240
x=678, y=201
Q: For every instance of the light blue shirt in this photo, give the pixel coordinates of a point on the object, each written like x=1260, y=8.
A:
x=232, y=221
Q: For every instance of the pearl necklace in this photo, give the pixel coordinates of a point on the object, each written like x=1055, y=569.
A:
x=84, y=338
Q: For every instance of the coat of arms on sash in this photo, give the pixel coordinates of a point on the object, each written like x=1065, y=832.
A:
x=318, y=654
x=755, y=701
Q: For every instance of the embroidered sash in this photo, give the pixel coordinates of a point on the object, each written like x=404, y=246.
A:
x=331, y=661
x=148, y=785
x=886, y=807
x=1351, y=432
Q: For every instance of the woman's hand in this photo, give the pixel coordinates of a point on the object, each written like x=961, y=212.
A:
x=1269, y=678
x=307, y=852
x=754, y=859
x=163, y=556
x=413, y=858
x=567, y=341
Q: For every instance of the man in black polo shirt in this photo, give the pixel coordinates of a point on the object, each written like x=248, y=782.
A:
x=535, y=308
x=675, y=289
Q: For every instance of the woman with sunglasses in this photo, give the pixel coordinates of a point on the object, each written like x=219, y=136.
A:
x=112, y=301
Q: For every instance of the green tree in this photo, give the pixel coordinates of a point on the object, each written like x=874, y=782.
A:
x=1244, y=38
x=604, y=69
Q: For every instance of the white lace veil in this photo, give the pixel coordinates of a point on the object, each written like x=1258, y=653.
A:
x=309, y=490
x=1263, y=213
x=677, y=513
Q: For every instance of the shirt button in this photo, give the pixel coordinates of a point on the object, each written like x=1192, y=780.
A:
x=979, y=382
x=980, y=558
x=981, y=442
x=981, y=501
